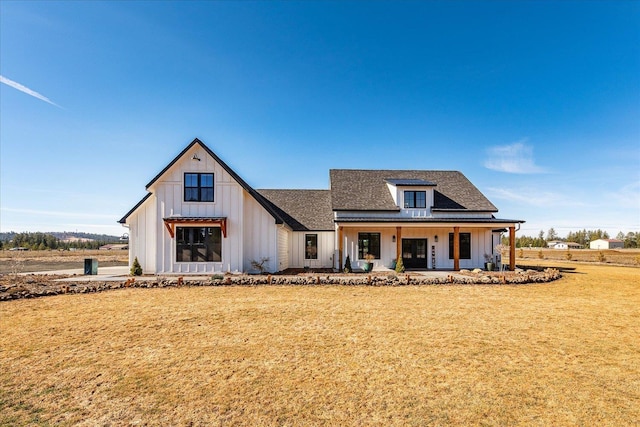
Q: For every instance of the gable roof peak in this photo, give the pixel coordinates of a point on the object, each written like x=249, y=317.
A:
x=269, y=208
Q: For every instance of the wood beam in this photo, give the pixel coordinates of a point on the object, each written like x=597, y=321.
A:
x=512, y=248
x=170, y=227
x=456, y=248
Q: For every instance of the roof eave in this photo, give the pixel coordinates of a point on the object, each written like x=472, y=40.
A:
x=123, y=220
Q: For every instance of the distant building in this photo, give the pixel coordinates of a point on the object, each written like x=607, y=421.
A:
x=567, y=245
x=118, y=246
x=606, y=244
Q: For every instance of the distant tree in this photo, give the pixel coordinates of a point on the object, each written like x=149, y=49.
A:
x=631, y=240
x=551, y=234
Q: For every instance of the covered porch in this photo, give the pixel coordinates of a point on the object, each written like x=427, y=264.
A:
x=426, y=245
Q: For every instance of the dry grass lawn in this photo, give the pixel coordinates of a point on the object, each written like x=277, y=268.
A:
x=563, y=353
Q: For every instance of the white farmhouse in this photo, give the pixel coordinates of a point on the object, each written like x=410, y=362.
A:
x=199, y=216
x=606, y=244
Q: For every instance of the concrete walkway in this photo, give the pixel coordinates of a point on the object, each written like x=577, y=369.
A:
x=104, y=274
x=121, y=273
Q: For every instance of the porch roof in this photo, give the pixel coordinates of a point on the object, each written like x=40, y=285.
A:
x=409, y=220
x=170, y=223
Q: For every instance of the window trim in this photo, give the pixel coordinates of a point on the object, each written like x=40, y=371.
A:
x=461, y=240
x=306, y=240
x=361, y=253
x=414, y=199
x=199, y=187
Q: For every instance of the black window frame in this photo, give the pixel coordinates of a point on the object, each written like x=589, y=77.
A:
x=371, y=238
x=411, y=201
x=198, y=192
x=465, y=245
x=310, y=250
x=196, y=242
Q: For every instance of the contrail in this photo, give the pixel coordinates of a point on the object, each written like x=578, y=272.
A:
x=26, y=90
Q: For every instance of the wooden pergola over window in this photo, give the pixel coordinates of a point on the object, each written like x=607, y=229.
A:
x=170, y=223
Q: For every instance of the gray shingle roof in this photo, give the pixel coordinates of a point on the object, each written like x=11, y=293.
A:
x=302, y=210
x=366, y=190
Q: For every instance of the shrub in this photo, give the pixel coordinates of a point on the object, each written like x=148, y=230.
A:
x=136, y=269
x=347, y=265
x=521, y=253
x=399, y=265
x=260, y=265
x=601, y=257
x=540, y=254
x=568, y=256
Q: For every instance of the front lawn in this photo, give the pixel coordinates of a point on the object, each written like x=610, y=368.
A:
x=559, y=353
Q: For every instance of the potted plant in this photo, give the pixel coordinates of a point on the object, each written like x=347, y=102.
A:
x=488, y=262
x=368, y=263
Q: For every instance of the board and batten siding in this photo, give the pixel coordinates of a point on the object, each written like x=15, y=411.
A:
x=142, y=238
x=260, y=236
x=326, y=248
x=228, y=202
x=283, y=248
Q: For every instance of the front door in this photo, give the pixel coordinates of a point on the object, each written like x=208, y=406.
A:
x=414, y=253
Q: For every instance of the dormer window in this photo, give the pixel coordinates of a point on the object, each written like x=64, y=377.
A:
x=198, y=187
x=415, y=199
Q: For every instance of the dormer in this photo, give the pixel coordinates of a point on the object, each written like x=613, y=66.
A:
x=412, y=196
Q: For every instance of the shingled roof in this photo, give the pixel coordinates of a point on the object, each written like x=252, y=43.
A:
x=302, y=210
x=366, y=190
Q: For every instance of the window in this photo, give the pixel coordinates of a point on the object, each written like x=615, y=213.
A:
x=415, y=199
x=465, y=245
x=368, y=243
x=198, y=244
x=198, y=187
x=310, y=246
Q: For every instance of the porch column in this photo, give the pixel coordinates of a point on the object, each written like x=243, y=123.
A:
x=456, y=248
x=512, y=248
x=398, y=242
x=340, y=247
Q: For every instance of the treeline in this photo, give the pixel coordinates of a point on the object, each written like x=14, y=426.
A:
x=46, y=241
x=583, y=237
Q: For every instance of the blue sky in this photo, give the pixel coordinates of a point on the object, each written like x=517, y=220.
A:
x=537, y=103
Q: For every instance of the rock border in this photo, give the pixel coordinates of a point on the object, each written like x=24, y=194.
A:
x=464, y=277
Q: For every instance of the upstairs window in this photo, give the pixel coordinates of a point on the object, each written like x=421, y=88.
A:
x=415, y=199
x=198, y=187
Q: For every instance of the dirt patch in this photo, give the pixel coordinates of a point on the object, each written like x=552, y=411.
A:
x=36, y=261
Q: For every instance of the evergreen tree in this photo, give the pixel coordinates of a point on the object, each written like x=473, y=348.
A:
x=400, y=265
x=347, y=265
x=136, y=269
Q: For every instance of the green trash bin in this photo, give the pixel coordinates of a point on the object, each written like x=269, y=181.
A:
x=90, y=266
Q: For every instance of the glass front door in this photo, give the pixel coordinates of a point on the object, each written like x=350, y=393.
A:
x=414, y=253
